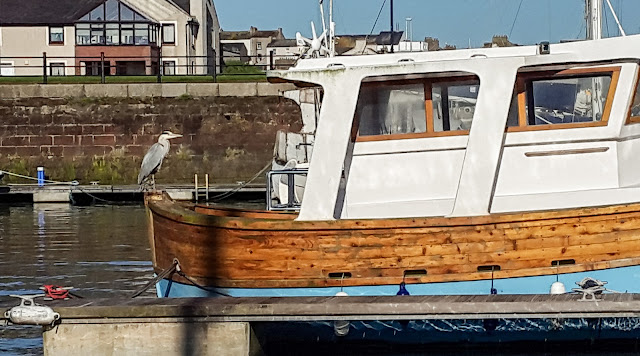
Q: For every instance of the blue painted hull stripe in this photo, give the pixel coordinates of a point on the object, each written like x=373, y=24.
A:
x=624, y=279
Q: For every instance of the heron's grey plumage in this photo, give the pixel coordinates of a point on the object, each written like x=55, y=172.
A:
x=153, y=159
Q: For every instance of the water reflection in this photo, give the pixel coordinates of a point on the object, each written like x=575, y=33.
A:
x=102, y=251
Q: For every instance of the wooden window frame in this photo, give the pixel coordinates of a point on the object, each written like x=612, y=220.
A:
x=523, y=86
x=633, y=119
x=428, y=84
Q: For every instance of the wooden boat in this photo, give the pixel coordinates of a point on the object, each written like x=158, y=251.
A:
x=543, y=187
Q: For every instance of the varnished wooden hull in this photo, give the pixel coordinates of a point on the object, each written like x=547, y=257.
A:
x=253, y=250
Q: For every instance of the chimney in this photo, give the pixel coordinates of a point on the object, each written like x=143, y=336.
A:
x=253, y=30
x=433, y=44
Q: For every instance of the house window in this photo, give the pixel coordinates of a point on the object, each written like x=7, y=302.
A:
x=566, y=99
x=83, y=34
x=95, y=67
x=6, y=68
x=259, y=45
x=141, y=34
x=112, y=34
x=56, y=35
x=168, y=34
x=168, y=67
x=131, y=68
x=97, y=34
x=416, y=108
x=127, y=34
x=114, y=23
x=57, y=69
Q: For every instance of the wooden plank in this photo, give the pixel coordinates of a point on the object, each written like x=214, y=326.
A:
x=267, y=258
x=176, y=213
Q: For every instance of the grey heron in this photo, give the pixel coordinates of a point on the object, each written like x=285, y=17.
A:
x=153, y=159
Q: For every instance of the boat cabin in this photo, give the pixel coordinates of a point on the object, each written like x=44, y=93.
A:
x=474, y=132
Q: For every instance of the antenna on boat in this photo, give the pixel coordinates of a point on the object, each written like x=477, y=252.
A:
x=323, y=44
x=324, y=23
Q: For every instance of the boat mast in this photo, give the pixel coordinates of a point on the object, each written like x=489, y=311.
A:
x=594, y=14
x=332, y=31
x=594, y=32
x=594, y=19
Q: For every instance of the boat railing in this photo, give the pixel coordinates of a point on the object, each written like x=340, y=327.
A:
x=286, y=198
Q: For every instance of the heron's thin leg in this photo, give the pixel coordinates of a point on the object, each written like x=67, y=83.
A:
x=153, y=181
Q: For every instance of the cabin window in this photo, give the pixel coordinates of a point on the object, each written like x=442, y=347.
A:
x=634, y=113
x=461, y=99
x=566, y=99
x=391, y=109
x=416, y=108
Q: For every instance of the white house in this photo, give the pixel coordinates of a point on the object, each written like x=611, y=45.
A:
x=254, y=41
x=134, y=36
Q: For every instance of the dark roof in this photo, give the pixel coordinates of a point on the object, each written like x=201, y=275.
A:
x=283, y=43
x=386, y=38
x=252, y=33
x=44, y=12
x=235, y=47
x=184, y=5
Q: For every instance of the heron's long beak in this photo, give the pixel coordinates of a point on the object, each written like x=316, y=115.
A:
x=175, y=136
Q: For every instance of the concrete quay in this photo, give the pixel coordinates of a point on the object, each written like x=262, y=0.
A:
x=235, y=326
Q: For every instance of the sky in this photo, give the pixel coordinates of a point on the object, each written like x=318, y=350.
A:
x=456, y=22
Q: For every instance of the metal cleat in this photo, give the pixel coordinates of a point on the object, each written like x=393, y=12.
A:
x=590, y=287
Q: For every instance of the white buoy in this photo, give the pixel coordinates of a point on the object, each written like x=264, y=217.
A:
x=558, y=288
x=341, y=327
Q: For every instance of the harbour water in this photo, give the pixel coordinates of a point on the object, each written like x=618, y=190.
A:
x=101, y=251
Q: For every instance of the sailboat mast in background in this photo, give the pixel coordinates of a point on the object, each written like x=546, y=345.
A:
x=594, y=13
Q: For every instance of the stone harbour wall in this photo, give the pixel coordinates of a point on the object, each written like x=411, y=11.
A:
x=78, y=136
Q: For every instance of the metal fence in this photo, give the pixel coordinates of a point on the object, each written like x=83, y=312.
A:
x=153, y=68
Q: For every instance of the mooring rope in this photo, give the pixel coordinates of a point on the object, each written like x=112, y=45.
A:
x=174, y=268
x=73, y=183
x=197, y=285
x=95, y=197
x=157, y=279
x=237, y=189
